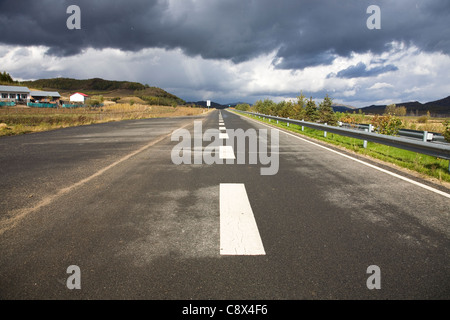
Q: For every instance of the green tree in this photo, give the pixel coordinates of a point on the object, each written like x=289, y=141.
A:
x=242, y=107
x=311, y=113
x=298, y=109
x=265, y=107
x=286, y=109
x=5, y=77
x=326, y=112
x=390, y=109
x=400, y=111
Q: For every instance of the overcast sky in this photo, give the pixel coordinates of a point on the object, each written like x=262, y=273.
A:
x=238, y=50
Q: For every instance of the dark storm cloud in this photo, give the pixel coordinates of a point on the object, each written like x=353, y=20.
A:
x=360, y=70
x=302, y=33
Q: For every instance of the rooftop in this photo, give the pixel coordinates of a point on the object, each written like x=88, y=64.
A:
x=14, y=89
x=45, y=94
x=80, y=93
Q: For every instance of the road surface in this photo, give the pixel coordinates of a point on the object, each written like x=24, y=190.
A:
x=110, y=200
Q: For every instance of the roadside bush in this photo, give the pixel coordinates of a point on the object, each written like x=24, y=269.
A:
x=265, y=107
x=389, y=125
x=243, y=107
x=95, y=101
x=422, y=119
x=446, y=132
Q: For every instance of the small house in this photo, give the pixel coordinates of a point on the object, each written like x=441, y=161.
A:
x=78, y=97
x=15, y=94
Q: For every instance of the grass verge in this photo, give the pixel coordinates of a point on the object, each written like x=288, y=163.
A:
x=16, y=120
x=425, y=165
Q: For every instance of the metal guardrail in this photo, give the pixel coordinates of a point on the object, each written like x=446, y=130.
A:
x=432, y=149
x=416, y=134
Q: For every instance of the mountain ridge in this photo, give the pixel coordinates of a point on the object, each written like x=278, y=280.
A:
x=439, y=107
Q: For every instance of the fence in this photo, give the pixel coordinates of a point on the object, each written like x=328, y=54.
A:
x=7, y=104
x=439, y=150
x=42, y=105
x=73, y=105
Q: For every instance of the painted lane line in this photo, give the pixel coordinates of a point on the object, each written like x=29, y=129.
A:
x=239, y=233
x=222, y=128
x=226, y=152
x=223, y=136
x=442, y=193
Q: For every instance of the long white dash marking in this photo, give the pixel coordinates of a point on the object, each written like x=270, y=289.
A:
x=226, y=152
x=239, y=233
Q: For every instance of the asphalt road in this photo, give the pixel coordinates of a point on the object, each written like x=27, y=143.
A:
x=109, y=199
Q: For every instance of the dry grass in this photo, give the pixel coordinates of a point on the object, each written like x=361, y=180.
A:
x=19, y=120
x=413, y=123
x=431, y=125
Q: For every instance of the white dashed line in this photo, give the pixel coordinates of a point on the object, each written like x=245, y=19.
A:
x=239, y=233
x=226, y=152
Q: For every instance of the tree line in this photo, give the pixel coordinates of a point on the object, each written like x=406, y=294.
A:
x=6, y=78
x=302, y=109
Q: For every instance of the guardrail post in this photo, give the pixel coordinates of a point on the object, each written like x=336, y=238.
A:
x=425, y=136
x=365, y=141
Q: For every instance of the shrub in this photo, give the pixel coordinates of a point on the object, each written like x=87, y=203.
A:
x=389, y=125
x=95, y=101
x=446, y=132
x=422, y=119
x=242, y=107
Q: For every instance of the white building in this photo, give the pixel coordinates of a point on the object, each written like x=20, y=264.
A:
x=15, y=94
x=78, y=97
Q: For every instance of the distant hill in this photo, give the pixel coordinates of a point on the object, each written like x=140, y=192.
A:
x=436, y=108
x=203, y=104
x=342, y=108
x=95, y=84
x=107, y=88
